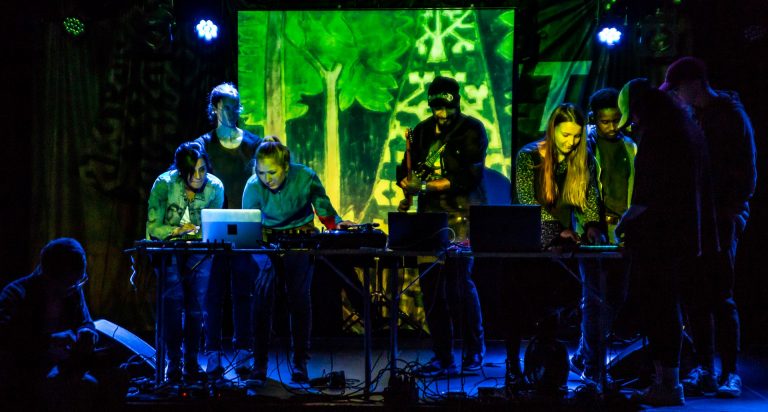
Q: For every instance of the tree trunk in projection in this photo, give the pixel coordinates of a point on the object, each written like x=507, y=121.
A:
x=332, y=162
x=275, y=62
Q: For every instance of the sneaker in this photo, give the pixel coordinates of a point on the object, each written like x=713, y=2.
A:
x=594, y=381
x=699, y=382
x=242, y=362
x=213, y=363
x=194, y=374
x=300, y=374
x=660, y=395
x=730, y=386
x=256, y=379
x=513, y=376
x=473, y=362
x=173, y=372
x=436, y=367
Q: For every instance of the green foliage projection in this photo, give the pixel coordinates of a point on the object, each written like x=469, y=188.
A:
x=339, y=87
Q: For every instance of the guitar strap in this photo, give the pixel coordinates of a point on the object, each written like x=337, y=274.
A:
x=433, y=155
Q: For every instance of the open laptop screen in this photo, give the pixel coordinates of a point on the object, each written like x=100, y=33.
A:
x=242, y=227
x=505, y=228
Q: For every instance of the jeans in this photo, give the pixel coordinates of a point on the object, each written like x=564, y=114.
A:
x=533, y=293
x=596, y=317
x=451, y=300
x=708, y=299
x=296, y=272
x=240, y=270
x=185, y=286
x=656, y=276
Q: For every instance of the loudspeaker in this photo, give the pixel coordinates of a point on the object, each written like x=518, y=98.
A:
x=634, y=363
x=120, y=345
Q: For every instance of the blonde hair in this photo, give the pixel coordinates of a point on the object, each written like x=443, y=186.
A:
x=272, y=148
x=574, y=192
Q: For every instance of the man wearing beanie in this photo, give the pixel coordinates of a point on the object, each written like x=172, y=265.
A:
x=666, y=224
x=447, y=158
x=46, y=331
x=708, y=296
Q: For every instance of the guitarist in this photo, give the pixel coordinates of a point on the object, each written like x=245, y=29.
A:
x=447, y=154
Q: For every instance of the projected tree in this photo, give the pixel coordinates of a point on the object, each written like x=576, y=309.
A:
x=356, y=60
x=340, y=86
x=448, y=42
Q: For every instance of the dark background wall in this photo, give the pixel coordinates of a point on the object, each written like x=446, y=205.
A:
x=92, y=120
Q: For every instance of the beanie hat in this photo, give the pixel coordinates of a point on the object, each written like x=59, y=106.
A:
x=443, y=92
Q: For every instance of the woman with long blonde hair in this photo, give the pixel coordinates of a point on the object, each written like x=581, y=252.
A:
x=556, y=173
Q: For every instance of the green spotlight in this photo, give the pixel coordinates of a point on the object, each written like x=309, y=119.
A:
x=73, y=26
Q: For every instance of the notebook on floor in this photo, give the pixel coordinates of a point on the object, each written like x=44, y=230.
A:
x=422, y=232
x=242, y=227
x=505, y=228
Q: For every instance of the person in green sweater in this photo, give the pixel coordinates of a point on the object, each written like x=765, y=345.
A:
x=288, y=195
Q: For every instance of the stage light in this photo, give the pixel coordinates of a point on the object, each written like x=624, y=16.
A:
x=609, y=36
x=207, y=30
x=73, y=26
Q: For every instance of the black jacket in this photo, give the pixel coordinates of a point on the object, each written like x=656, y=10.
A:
x=462, y=163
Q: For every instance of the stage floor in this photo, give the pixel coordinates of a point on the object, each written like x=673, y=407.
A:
x=470, y=391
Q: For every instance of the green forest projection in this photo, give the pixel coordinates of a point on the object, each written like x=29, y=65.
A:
x=339, y=88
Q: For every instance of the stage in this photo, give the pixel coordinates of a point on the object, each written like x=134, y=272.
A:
x=470, y=391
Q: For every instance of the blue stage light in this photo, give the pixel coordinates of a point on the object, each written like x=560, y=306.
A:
x=207, y=30
x=609, y=36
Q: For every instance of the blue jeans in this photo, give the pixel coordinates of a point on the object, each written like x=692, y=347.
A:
x=708, y=298
x=451, y=301
x=240, y=271
x=296, y=273
x=185, y=286
x=596, y=317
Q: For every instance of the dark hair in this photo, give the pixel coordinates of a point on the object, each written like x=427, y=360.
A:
x=607, y=98
x=186, y=156
x=62, y=256
x=219, y=92
x=271, y=148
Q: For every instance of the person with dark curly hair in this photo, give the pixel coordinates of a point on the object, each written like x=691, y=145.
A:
x=187, y=188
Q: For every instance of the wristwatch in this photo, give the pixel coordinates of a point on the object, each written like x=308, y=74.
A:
x=423, y=186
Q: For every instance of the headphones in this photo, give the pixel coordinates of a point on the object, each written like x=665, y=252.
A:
x=591, y=117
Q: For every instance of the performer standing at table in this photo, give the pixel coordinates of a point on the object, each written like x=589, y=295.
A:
x=709, y=297
x=231, y=151
x=288, y=195
x=614, y=164
x=556, y=172
x=175, y=202
x=670, y=221
x=450, y=148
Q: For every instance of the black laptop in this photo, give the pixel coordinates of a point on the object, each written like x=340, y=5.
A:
x=421, y=232
x=505, y=228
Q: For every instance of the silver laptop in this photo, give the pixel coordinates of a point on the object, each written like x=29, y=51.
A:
x=242, y=227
